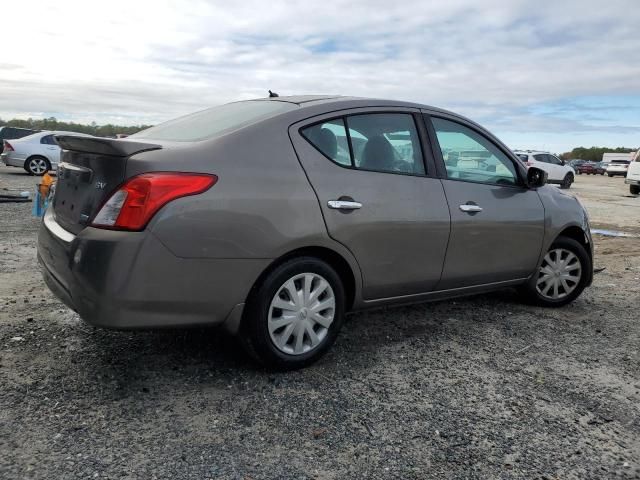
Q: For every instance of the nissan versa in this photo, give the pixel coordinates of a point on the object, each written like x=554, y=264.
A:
x=275, y=217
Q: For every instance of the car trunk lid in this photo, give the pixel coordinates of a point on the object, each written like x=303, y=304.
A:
x=90, y=169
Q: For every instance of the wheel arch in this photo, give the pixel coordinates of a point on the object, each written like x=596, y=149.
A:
x=576, y=233
x=331, y=257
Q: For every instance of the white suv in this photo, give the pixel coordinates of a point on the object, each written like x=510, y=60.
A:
x=556, y=169
x=633, y=174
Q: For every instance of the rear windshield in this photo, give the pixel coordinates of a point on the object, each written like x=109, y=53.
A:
x=214, y=121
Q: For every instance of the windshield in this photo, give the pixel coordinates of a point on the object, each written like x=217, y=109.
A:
x=214, y=121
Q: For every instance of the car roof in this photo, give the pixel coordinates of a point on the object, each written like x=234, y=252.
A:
x=342, y=101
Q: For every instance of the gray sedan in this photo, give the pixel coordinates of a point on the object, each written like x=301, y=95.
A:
x=275, y=217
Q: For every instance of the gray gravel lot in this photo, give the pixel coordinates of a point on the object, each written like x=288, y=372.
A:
x=483, y=387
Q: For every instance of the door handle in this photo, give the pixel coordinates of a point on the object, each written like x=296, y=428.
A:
x=470, y=208
x=344, y=205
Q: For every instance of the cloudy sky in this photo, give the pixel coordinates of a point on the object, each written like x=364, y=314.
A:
x=539, y=74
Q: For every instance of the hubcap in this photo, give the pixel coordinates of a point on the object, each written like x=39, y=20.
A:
x=559, y=274
x=38, y=165
x=301, y=313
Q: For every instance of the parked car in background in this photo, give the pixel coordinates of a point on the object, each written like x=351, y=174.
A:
x=633, y=175
x=601, y=168
x=617, y=163
x=587, y=167
x=557, y=171
x=618, y=167
x=36, y=153
x=279, y=215
x=12, y=133
x=574, y=163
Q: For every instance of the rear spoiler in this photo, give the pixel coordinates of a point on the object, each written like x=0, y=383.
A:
x=104, y=146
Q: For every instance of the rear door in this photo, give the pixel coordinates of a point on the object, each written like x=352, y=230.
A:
x=52, y=150
x=497, y=224
x=378, y=196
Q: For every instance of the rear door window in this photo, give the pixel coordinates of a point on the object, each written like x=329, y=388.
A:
x=380, y=142
x=386, y=142
x=541, y=157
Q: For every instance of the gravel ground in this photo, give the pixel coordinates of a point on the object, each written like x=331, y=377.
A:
x=483, y=387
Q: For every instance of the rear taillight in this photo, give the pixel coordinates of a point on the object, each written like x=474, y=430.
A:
x=137, y=201
x=8, y=147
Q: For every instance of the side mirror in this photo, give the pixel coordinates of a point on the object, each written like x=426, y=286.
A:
x=536, y=177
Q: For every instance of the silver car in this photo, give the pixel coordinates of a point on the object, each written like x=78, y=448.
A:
x=36, y=153
x=275, y=217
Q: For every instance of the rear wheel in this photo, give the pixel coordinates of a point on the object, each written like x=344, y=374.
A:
x=567, y=181
x=610, y=174
x=294, y=316
x=562, y=276
x=634, y=189
x=37, y=166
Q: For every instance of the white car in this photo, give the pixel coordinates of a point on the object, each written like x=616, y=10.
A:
x=618, y=167
x=556, y=169
x=633, y=175
x=36, y=153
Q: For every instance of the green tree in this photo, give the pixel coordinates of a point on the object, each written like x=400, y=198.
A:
x=593, y=154
x=52, y=123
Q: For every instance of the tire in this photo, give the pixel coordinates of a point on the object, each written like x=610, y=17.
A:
x=534, y=290
x=37, y=165
x=270, y=337
x=579, y=172
x=567, y=181
x=610, y=175
x=634, y=189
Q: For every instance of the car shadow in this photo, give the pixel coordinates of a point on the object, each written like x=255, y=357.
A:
x=216, y=354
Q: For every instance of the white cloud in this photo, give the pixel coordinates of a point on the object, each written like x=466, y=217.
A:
x=146, y=61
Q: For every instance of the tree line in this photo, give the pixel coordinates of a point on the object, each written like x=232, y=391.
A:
x=593, y=154
x=51, y=123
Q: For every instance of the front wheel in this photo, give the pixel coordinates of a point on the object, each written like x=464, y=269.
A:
x=294, y=316
x=567, y=181
x=562, y=276
x=610, y=175
x=634, y=189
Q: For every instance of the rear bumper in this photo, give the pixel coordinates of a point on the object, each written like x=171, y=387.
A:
x=11, y=160
x=129, y=280
x=631, y=181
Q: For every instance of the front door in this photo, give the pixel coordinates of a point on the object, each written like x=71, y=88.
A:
x=497, y=224
x=377, y=196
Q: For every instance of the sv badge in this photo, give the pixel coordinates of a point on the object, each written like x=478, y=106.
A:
x=101, y=185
